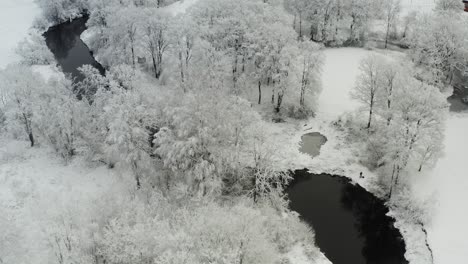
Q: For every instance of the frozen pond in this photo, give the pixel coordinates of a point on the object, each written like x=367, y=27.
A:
x=311, y=143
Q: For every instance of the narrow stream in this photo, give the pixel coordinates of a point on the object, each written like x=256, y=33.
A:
x=69, y=50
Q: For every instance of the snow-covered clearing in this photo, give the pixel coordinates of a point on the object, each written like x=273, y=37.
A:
x=337, y=156
x=423, y=6
x=448, y=180
x=16, y=18
x=179, y=7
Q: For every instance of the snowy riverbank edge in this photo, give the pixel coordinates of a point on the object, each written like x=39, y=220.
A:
x=338, y=157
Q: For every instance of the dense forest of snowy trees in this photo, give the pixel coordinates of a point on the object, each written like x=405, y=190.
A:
x=183, y=108
x=177, y=108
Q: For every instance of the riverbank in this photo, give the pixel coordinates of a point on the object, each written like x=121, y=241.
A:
x=339, y=156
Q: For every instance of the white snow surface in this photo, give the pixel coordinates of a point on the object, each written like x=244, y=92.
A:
x=16, y=18
x=179, y=7
x=37, y=189
x=421, y=6
x=448, y=230
x=298, y=256
x=338, y=77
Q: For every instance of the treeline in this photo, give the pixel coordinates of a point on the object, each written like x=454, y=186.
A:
x=248, y=45
x=343, y=23
x=58, y=11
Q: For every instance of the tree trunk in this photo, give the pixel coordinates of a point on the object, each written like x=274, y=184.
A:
x=27, y=123
x=182, y=76
x=155, y=66
x=133, y=56
x=370, y=117
x=279, y=102
x=300, y=25
x=259, y=92
x=386, y=34
x=31, y=138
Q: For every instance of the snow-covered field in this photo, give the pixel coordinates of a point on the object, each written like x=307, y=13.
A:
x=179, y=7
x=339, y=75
x=16, y=18
x=423, y=6
x=449, y=181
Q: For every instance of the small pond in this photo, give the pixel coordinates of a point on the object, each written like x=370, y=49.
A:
x=69, y=50
x=311, y=143
x=350, y=224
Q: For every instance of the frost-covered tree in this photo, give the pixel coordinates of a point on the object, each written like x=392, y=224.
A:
x=409, y=21
x=60, y=117
x=360, y=12
x=205, y=128
x=439, y=43
x=391, y=10
x=19, y=87
x=369, y=85
x=162, y=232
x=449, y=5
x=311, y=69
x=299, y=8
x=57, y=11
x=121, y=36
x=184, y=38
x=392, y=78
x=157, y=39
x=419, y=113
x=34, y=50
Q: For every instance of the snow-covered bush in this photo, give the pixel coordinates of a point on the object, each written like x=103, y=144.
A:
x=200, y=233
x=58, y=11
x=34, y=50
x=19, y=89
x=439, y=43
x=61, y=117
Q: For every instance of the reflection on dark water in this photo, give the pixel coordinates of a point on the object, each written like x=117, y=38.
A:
x=69, y=50
x=350, y=224
x=460, y=93
x=455, y=101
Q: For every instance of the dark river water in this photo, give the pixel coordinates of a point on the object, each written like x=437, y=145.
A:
x=69, y=50
x=351, y=226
